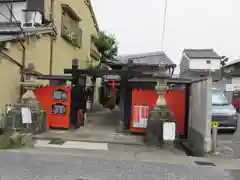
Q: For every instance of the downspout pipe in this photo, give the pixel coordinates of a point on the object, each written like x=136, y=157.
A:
x=23, y=66
x=52, y=38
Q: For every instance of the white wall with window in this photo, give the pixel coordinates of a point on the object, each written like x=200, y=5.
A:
x=205, y=64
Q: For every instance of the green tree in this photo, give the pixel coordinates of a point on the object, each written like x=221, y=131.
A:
x=107, y=45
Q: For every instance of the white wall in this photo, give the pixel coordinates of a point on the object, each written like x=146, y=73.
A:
x=236, y=80
x=184, y=64
x=202, y=64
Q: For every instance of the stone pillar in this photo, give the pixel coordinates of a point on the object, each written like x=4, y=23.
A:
x=120, y=128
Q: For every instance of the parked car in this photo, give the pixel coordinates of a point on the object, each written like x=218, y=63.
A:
x=236, y=100
x=223, y=112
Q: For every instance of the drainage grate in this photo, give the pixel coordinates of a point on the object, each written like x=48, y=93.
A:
x=202, y=163
x=57, y=142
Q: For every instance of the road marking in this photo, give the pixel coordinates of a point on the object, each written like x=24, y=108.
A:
x=225, y=141
x=73, y=145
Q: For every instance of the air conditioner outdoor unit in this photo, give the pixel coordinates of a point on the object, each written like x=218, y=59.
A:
x=33, y=18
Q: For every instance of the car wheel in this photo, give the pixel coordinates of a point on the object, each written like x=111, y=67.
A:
x=238, y=110
x=233, y=131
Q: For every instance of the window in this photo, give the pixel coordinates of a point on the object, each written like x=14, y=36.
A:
x=208, y=61
x=218, y=98
x=202, y=75
x=60, y=95
x=59, y=109
x=70, y=30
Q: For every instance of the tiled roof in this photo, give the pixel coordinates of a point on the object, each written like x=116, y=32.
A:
x=152, y=58
x=231, y=63
x=201, y=53
x=12, y=0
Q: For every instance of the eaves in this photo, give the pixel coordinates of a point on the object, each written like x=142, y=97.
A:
x=204, y=58
x=89, y=4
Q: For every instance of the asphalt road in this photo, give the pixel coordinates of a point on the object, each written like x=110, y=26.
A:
x=27, y=166
x=231, y=141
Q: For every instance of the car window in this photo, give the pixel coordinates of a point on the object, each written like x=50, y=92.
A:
x=218, y=98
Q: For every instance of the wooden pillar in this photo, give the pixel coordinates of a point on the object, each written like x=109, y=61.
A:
x=75, y=75
x=74, y=85
x=120, y=128
x=123, y=91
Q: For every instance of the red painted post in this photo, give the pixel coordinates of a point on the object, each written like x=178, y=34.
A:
x=113, y=85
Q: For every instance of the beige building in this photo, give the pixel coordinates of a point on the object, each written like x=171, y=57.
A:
x=32, y=37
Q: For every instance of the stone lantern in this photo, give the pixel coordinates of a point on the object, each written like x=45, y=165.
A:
x=29, y=84
x=160, y=113
x=29, y=100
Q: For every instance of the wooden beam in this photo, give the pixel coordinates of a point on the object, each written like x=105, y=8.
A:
x=101, y=72
x=54, y=77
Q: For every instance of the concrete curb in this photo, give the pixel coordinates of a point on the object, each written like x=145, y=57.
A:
x=92, y=141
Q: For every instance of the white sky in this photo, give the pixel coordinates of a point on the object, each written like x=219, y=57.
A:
x=137, y=25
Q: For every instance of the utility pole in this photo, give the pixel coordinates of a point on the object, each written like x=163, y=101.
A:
x=52, y=37
x=223, y=62
x=164, y=24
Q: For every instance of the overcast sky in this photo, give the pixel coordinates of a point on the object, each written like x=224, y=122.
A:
x=137, y=25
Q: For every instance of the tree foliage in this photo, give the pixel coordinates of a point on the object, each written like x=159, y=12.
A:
x=106, y=44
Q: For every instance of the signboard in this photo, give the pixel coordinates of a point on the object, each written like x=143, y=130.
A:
x=232, y=87
x=140, y=116
x=26, y=115
x=215, y=124
x=111, y=77
x=169, y=131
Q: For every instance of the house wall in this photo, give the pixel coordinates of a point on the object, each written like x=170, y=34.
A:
x=233, y=68
x=184, y=64
x=10, y=82
x=202, y=64
x=63, y=51
x=10, y=72
x=196, y=68
x=38, y=51
x=34, y=52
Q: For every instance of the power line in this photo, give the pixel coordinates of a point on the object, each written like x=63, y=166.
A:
x=12, y=14
x=164, y=24
x=5, y=16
